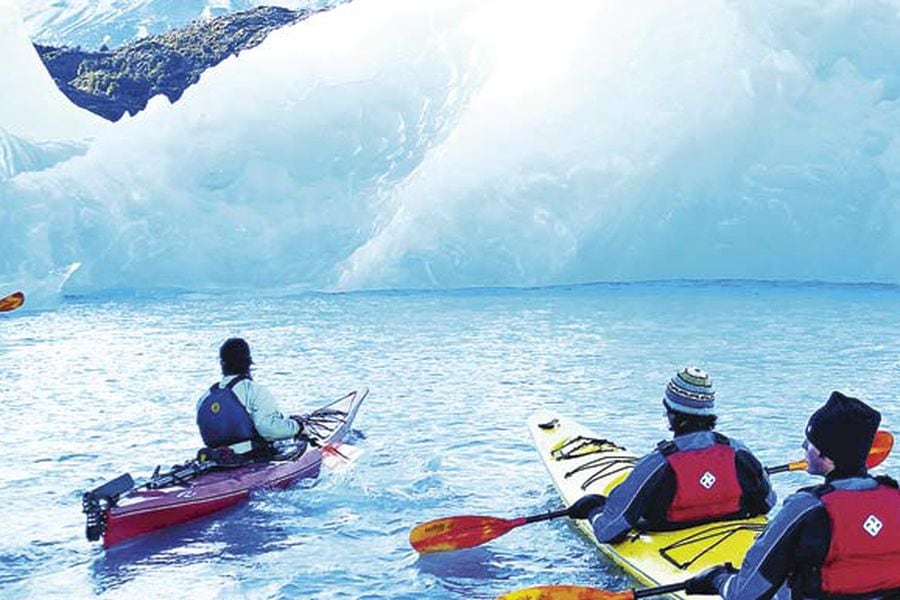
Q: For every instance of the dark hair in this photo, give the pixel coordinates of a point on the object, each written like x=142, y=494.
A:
x=680, y=422
x=234, y=356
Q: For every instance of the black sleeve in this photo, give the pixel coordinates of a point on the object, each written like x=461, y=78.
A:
x=656, y=501
x=640, y=497
x=757, y=497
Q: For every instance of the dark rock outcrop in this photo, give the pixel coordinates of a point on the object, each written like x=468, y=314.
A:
x=113, y=82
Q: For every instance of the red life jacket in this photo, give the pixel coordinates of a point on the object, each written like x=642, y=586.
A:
x=706, y=482
x=864, y=553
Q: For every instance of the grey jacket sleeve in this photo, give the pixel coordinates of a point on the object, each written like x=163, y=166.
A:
x=772, y=557
x=628, y=502
x=758, y=496
x=269, y=421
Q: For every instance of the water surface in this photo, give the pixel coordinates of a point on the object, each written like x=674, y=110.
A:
x=108, y=384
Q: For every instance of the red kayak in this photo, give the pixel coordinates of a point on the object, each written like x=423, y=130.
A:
x=119, y=510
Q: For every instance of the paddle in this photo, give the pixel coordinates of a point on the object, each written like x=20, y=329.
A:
x=580, y=592
x=881, y=447
x=12, y=301
x=456, y=533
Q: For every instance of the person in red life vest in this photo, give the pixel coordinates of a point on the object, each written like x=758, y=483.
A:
x=840, y=539
x=697, y=477
x=239, y=414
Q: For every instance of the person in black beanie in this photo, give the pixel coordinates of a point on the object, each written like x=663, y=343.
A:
x=839, y=539
x=238, y=414
x=842, y=432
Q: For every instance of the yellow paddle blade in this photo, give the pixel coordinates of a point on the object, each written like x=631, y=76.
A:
x=455, y=533
x=800, y=465
x=12, y=301
x=566, y=592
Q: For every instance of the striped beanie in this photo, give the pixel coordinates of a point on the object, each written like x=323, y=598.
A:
x=691, y=391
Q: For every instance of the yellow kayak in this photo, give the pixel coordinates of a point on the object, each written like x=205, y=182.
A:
x=580, y=462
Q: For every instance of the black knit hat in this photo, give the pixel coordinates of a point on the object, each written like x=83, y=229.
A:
x=234, y=355
x=843, y=430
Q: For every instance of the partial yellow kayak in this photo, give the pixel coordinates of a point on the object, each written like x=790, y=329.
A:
x=581, y=462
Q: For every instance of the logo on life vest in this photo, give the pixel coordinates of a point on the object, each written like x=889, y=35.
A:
x=708, y=480
x=214, y=407
x=872, y=525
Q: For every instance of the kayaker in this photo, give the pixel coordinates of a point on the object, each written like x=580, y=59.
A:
x=237, y=412
x=698, y=476
x=839, y=539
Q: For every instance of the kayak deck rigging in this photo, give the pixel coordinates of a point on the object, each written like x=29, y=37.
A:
x=698, y=543
x=582, y=445
x=603, y=466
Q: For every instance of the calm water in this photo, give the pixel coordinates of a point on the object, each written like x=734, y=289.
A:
x=103, y=386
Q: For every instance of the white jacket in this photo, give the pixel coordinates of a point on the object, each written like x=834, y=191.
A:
x=262, y=408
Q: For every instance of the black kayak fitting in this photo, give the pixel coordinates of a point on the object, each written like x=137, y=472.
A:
x=96, y=502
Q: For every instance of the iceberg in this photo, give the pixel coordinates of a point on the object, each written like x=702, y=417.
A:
x=19, y=155
x=452, y=143
x=31, y=106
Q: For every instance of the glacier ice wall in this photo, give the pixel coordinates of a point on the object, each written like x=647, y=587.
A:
x=268, y=172
x=449, y=143
x=20, y=155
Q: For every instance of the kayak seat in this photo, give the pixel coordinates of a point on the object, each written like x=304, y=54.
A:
x=225, y=457
x=288, y=451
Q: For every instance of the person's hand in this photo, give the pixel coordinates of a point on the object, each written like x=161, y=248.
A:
x=585, y=505
x=708, y=581
x=301, y=422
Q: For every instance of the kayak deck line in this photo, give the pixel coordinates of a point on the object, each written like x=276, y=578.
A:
x=605, y=466
x=583, y=445
x=718, y=532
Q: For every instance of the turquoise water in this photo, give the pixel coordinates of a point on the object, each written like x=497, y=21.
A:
x=108, y=384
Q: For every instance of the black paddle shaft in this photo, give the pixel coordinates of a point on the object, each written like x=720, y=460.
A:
x=547, y=516
x=660, y=590
x=778, y=469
